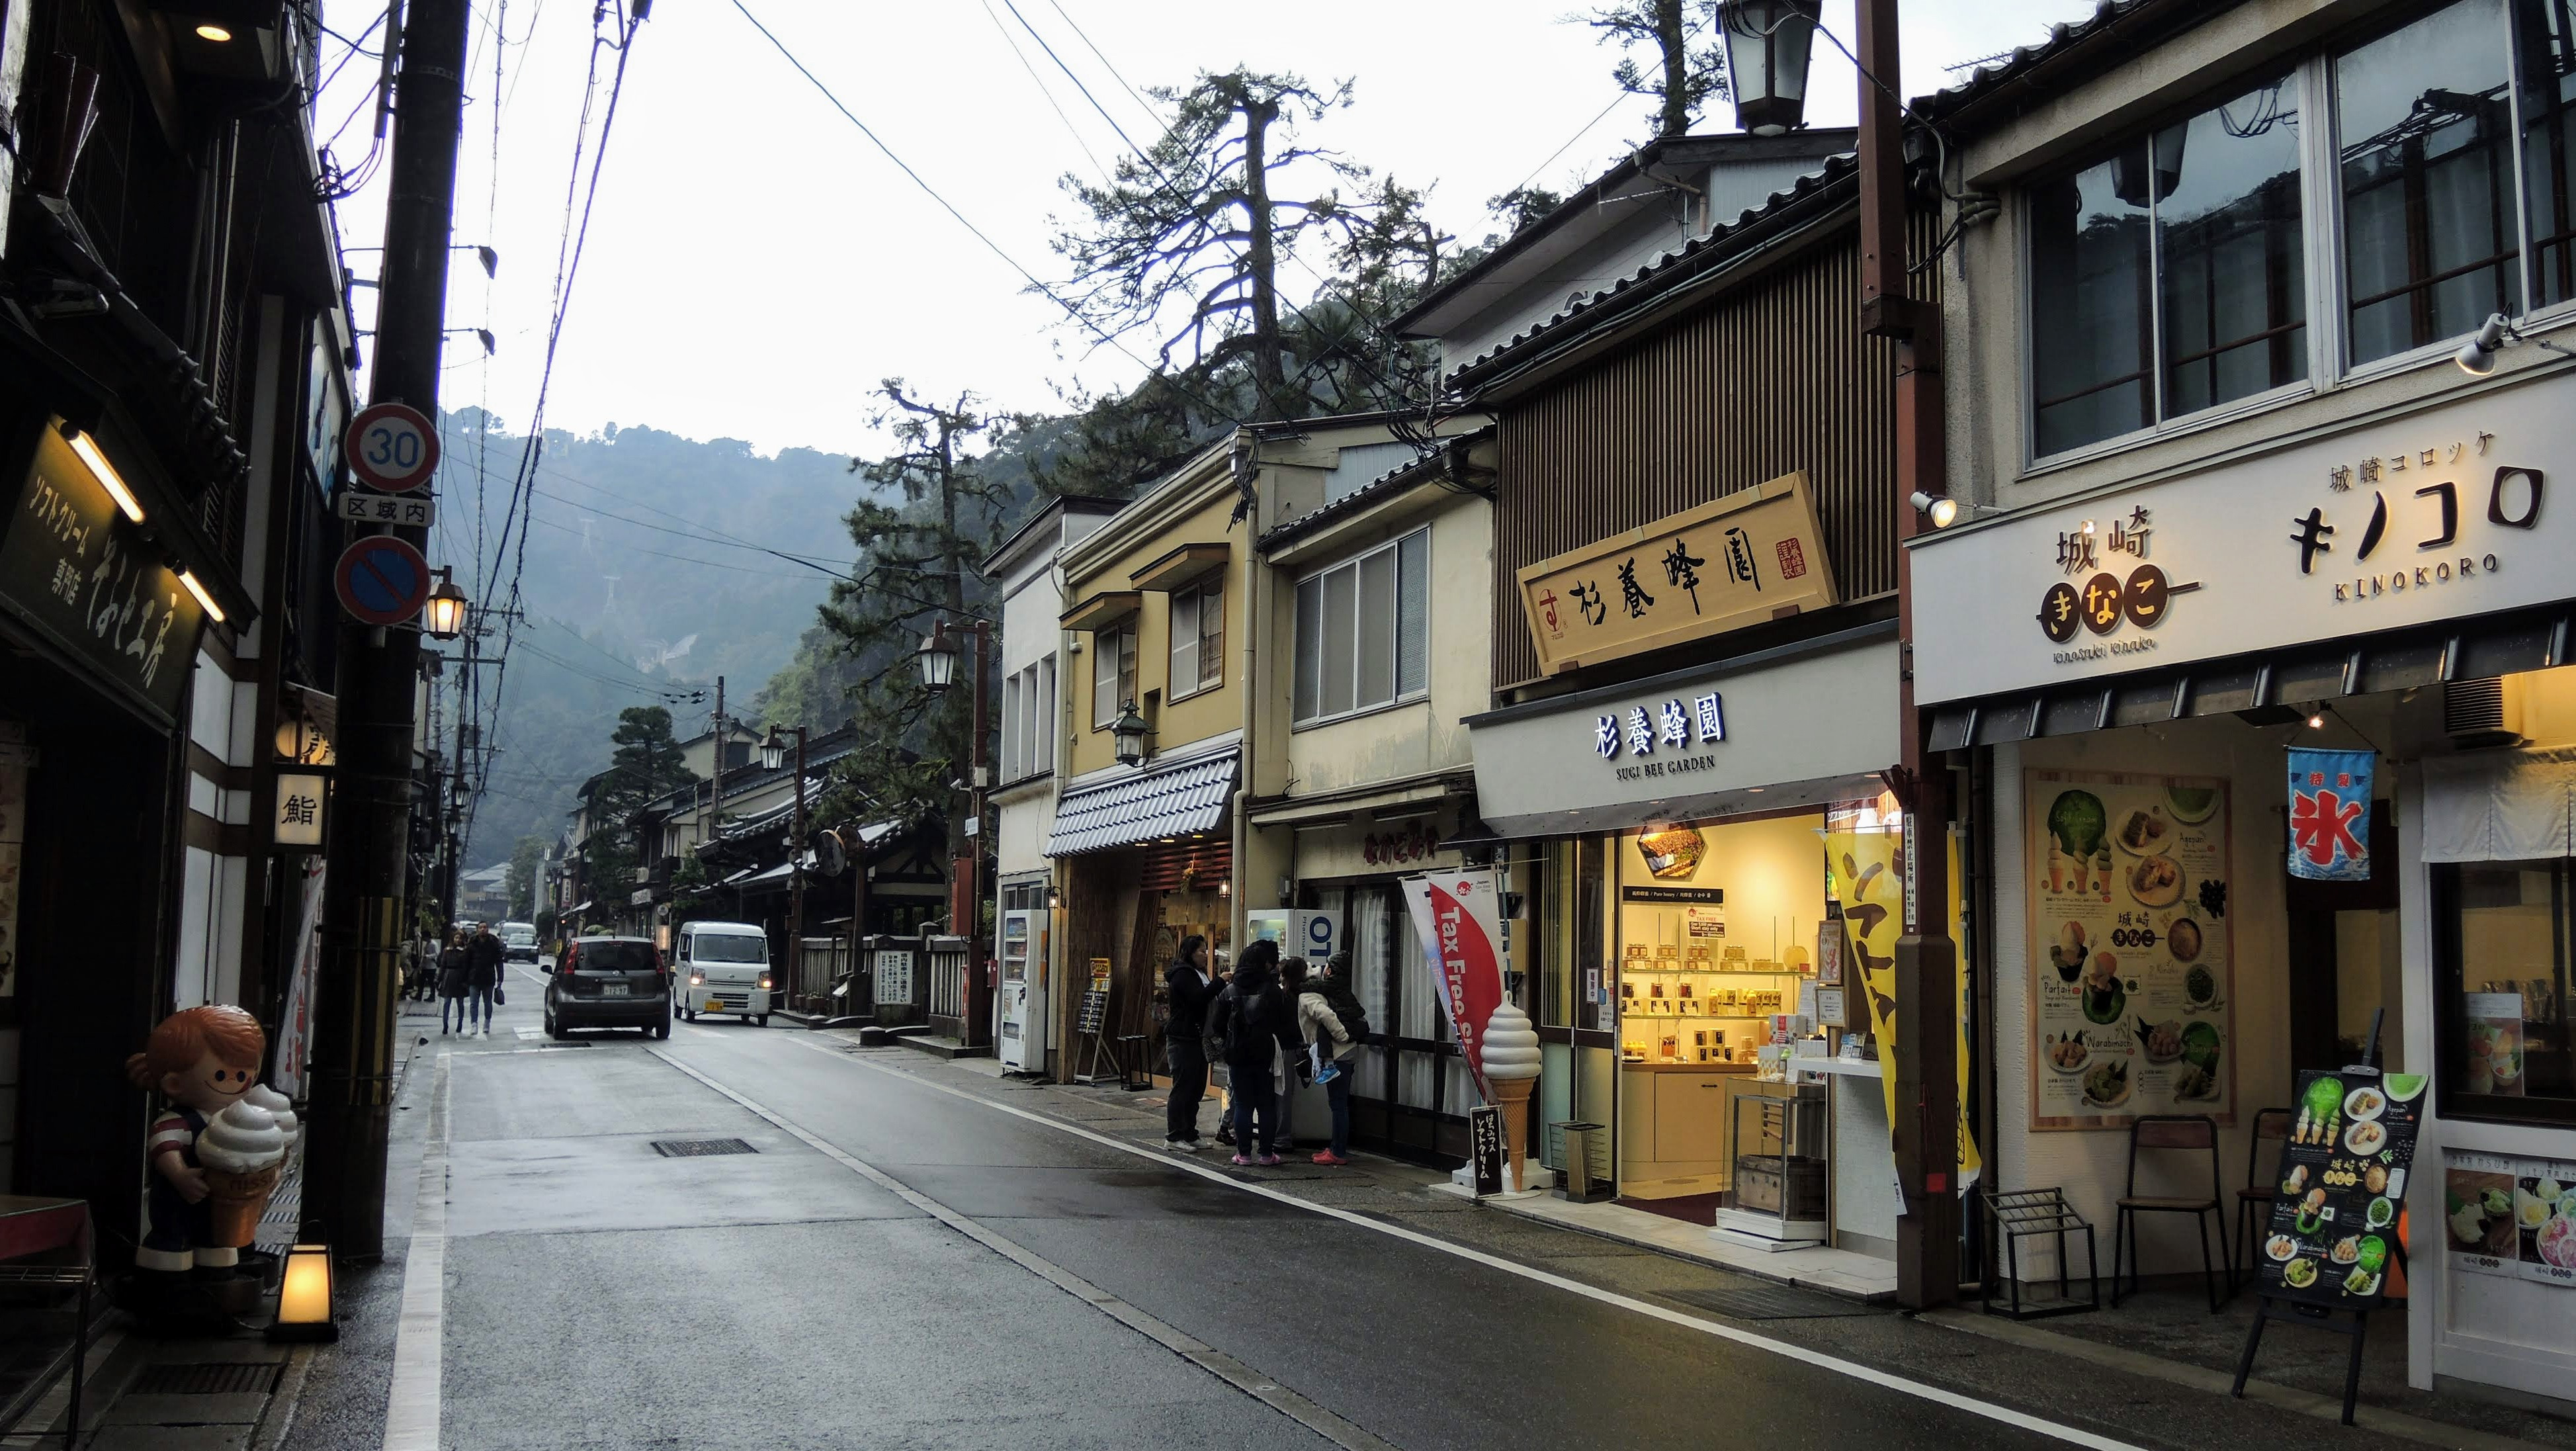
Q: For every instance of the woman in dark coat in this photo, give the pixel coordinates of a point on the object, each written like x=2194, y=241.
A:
x=452, y=982
x=1255, y=1026
x=1191, y=989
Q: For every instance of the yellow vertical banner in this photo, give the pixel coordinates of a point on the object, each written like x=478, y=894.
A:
x=1868, y=879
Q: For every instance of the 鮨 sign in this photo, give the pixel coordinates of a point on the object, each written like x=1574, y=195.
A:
x=301, y=800
x=1754, y=555
x=382, y=580
x=392, y=446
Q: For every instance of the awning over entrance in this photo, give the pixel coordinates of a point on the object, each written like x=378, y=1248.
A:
x=2476, y=649
x=1148, y=806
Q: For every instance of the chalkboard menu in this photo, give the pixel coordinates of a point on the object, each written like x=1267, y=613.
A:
x=1095, y=1010
x=76, y=570
x=2333, y=1229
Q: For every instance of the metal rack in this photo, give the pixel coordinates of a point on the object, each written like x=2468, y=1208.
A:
x=77, y=1273
x=2018, y=1214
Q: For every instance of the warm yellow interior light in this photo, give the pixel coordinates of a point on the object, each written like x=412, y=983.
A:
x=86, y=448
x=215, y=33
x=205, y=601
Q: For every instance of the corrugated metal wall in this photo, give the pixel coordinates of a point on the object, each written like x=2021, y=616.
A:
x=1767, y=380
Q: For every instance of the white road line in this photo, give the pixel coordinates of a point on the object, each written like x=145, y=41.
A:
x=1804, y=1355
x=1242, y=1377
x=412, y=1413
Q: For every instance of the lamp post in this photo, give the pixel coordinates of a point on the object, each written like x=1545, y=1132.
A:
x=938, y=655
x=1767, y=43
x=773, y=754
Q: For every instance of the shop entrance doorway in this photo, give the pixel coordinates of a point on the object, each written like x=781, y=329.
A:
x=2345, y=961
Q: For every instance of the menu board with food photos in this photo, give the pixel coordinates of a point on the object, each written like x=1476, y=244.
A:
x=2334, y=1225
x=2131, y=954
x=2515, y=1218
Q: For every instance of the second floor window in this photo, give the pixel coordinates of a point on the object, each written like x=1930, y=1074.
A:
x=1113, y=673
x=1029, y=720
x=1364, y=631
x=1198, y=639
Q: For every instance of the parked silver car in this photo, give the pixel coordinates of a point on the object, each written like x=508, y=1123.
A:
x=608, y=982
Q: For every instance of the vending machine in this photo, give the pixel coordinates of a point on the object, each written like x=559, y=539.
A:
x=1021, y=1005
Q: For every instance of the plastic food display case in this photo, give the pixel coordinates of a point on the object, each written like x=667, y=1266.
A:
x=1775, y=1150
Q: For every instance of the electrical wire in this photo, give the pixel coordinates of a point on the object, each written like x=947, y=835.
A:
x=1022, y=57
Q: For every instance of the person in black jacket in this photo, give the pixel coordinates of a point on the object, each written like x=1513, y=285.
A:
x=1192, y=989
x=483, y=973
x=1254, y=1025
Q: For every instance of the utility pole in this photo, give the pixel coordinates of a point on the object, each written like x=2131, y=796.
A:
x=1926, y=1130
x=724, y=734
x=979, y=1014
x=362, y=920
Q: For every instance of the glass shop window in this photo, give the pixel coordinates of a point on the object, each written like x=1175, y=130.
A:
x=2501, y=937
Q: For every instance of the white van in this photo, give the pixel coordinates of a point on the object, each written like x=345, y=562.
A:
x=722, y=967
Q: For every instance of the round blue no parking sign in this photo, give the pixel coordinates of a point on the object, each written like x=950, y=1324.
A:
x=382, y=580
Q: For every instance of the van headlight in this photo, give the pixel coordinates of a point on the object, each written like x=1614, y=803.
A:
x=764, y=982
x=697, y=979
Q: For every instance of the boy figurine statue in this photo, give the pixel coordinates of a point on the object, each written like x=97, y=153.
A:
x=203, y=1060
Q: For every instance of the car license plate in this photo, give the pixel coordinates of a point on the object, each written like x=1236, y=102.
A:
x=612, y=989
x=713, y=1006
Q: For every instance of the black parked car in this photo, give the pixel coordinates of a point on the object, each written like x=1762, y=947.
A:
x=609, y=982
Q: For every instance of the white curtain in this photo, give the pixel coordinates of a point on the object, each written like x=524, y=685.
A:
x=2500, y=806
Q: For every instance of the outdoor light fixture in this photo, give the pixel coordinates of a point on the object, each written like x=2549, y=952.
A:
x=2477, y=356
x=205, y=601
x=2317, y=718
x=444, y=613
x=1767, y=42
x=1128, y=734
x=215, y=33
x=304, y=1296
x=1055, y=896
x=938, y=657
x=773, y=750
x=1941, y=509
x=86, y=449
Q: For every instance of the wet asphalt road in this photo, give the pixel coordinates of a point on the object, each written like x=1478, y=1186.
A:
x=598, y=1294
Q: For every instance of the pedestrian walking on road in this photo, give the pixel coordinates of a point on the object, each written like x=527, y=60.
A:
x=1192, y=988
x=452, y=978
x=482, y=974
x=1332, y=1045
x=1253, y=1027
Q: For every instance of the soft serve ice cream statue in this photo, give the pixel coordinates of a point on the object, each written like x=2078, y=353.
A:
x=203, y=1060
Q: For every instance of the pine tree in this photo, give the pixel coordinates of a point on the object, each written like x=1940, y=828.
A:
x=1685, y=75
x=646, y=764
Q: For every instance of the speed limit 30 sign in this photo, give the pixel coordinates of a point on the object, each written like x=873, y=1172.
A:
x=392, y=446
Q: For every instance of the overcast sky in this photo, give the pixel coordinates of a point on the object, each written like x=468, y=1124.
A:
x=754, y=265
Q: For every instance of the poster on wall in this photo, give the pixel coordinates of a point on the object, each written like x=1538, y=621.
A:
x=2495, y=1043
x=1866, y=875
x=2478, y=1215
x=295, y=1019
x=2330, y=814
x=2131, y=958
x=2333, y=1228
x=2544, y=1221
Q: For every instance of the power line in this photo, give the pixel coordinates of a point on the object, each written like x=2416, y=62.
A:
x=994, y=247
x=1022, y=57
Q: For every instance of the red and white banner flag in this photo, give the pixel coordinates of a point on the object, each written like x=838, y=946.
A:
x=1458, y=917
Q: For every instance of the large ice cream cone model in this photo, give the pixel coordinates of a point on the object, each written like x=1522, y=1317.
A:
x=1511, y=1066
x=241, y=1152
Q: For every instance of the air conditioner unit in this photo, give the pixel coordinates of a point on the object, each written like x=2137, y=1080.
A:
x=2482, y=714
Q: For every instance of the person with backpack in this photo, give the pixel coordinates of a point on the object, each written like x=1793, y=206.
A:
x=1333, y=1044
x=1253, y=1027
x=1192, y=989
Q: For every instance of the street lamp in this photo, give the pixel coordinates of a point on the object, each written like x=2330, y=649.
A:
x=773, y=750
x=444, y=613
x=1128, y=735
x=773, y=754
x=1767, y=42
x=938, y=656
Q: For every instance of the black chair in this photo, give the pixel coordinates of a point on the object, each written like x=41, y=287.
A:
x=2166, y=1133
x=2262, y=1189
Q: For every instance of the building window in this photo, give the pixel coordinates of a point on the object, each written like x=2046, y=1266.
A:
x=1029, y=720
x=1198, y=639
x=2167, y=277
x=2502, y=935
x=1043, y=713
x=1363, y=631
x=1113, y=673
x=1015, y=735
x=2424, y=132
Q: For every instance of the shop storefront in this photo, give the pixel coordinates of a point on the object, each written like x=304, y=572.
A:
x=2270, y=757
x=1693, y=850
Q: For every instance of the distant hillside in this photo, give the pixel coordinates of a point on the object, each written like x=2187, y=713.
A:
x=642, y=577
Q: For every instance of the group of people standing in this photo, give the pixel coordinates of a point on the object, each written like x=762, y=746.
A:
x=469, y=979
x=1273, y=1024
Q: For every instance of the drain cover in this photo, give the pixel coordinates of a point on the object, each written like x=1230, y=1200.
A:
x=700, y=1148
x=1772, y=1303
x=205, y=1380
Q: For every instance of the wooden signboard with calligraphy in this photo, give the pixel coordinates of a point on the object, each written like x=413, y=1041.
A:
x=75, y=570
x=1755, y=555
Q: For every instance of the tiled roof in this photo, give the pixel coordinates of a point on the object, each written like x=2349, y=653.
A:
x=1173, y=801
x=1418, y=470
x=1710, y=248
x=2140, y=23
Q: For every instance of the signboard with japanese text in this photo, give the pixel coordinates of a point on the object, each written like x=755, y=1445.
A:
x=2131, y=952
x=2330, y=814
x=406, y=510
x=301, y=801
x=2333, y=1231
x=1754, y=555
x=2440, y=515
x=77, y=572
